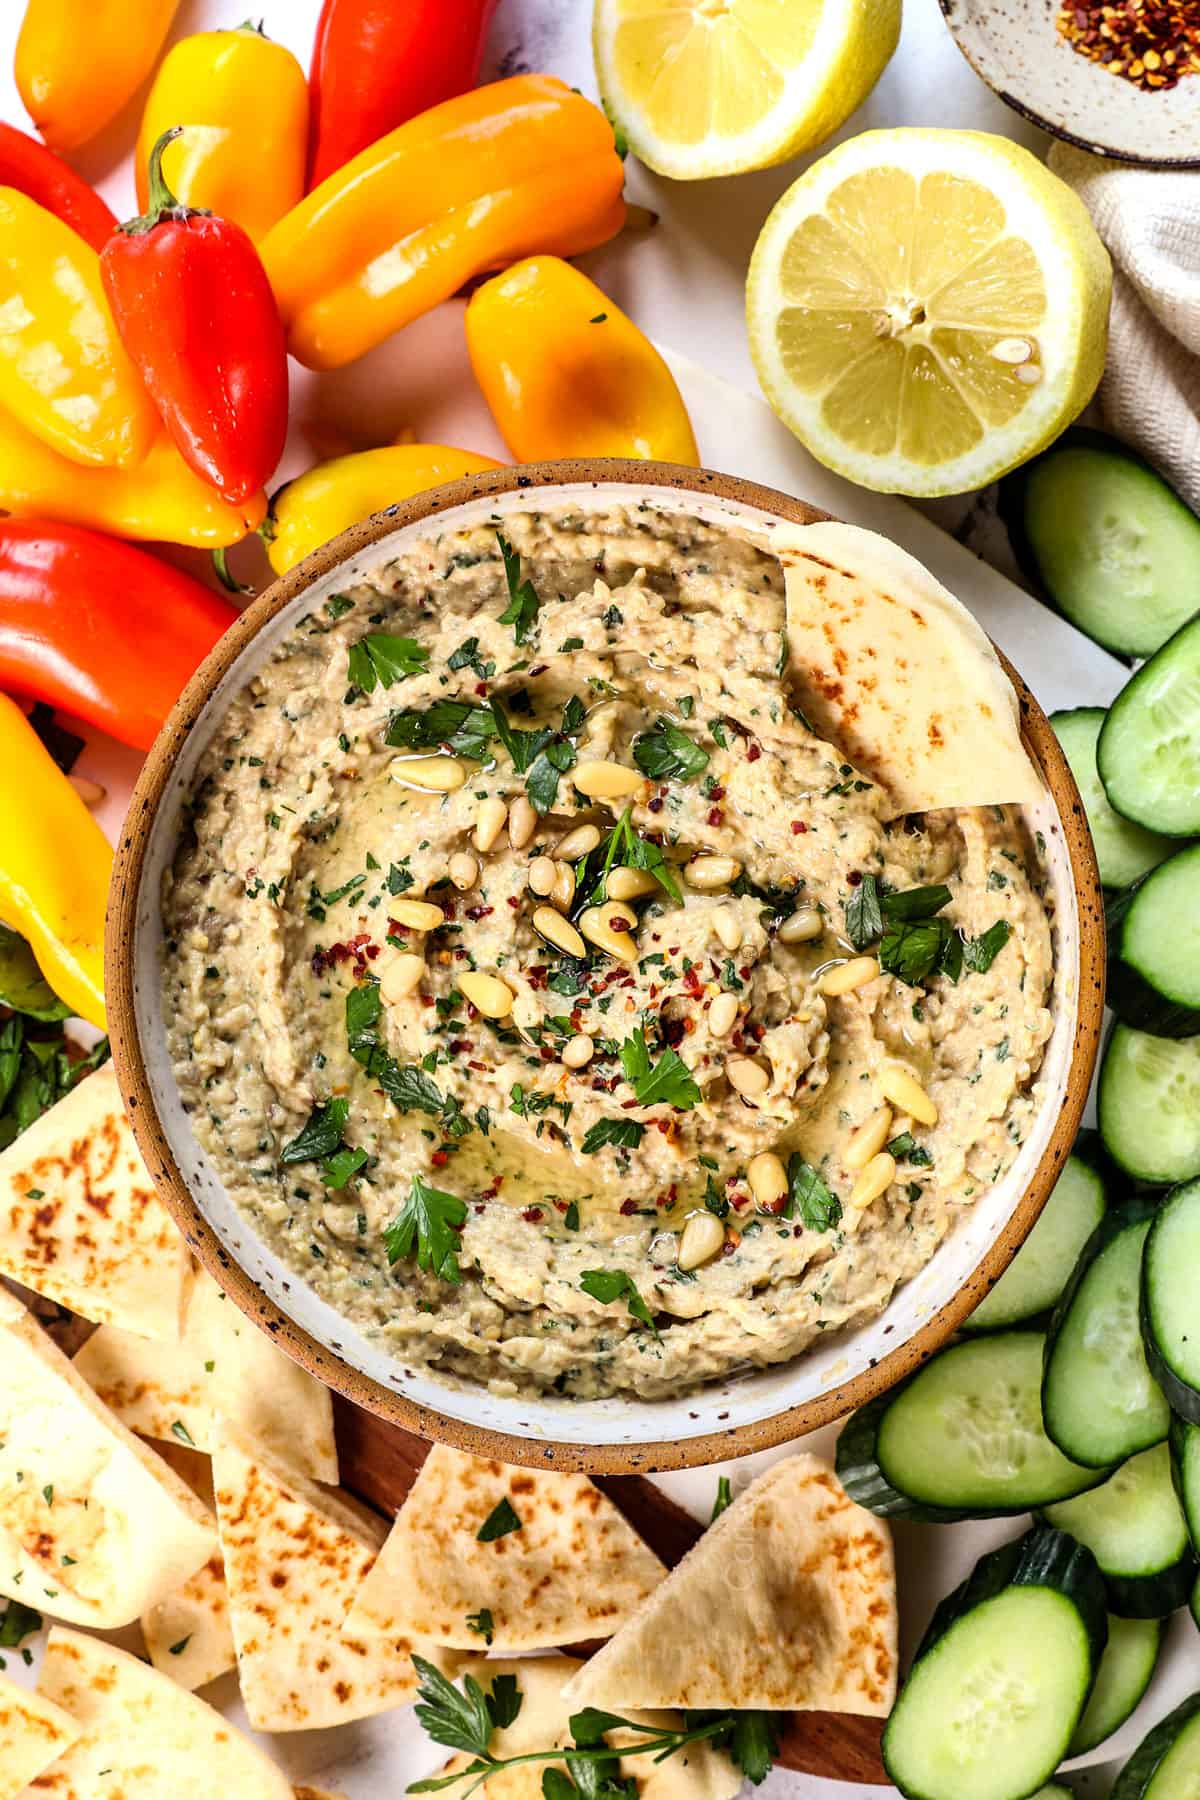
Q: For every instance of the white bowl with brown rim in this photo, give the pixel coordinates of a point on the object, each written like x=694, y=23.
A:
x=729, y=1417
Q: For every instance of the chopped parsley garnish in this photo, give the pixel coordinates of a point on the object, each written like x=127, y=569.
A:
x=460, y=725
x=179, y=1648
x=714, y=1199
x=980, y=953
x=543, y=755
x=905, y=1148
x=913, y=952
x=669, y=1080
x=482, y=1624
x=666, y=753
x=338, y=604
x=379, y=659
x=724, y=1498
x=406, y=1085
x=429, y=1223
x=317, y=903
x=913, y=943
x=607, y=1285
x=500, y=1521
x=17, y=1622
x=809, y=1197
x=622, y=847
x=523, y=603
x=467, y=657
x=321, y=1140
x=625, y=1133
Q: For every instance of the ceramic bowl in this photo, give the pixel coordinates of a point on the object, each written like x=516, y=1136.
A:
x=1015, y=46
x=615, y=1435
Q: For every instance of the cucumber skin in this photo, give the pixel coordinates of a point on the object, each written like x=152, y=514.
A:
x=1135, y=1780
x=1177, y=1438
x=1142, y=1179
x=1089, y=1150
x=1182, y=1397
x=1152, y=1596
x=1127, y=991
x=1079, y=1747
x=1117, y=1220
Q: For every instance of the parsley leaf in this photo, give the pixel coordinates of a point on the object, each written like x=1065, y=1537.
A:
x=429, y=1222
x=864, y=915
x=873, y=913
x=714, y=1199
x=460, y=725
x=523, y=603
x=905, y=1148
x=467, y=657
x=380, y=659
x=754, y=1743
x=669, y=1080
x=607, y=1285
x=980, y=953
x=916, y=903
x=505, y=1701
x=500, y=1521
x=666, y=753
x=522, y=746
x=912, y=952
x=625, y=1133
x=460, y=1721
x=17, y=1622
x=622, y=846
x=363, y=1006
x=321, y=1136
x=809, y=1197
x=482, y=1624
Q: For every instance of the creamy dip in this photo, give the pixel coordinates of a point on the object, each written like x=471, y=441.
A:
x=624, y=1171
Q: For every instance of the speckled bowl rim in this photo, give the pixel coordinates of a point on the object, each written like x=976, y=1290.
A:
x=429, y=1422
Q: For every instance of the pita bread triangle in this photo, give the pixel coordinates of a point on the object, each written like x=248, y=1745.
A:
x=575, y=1569
x=896, y=673
x=141, y=1734
x=788, y=1602
x=187, y=1634
x=33, y=1734
x=80, y=1221
x=295, y=1555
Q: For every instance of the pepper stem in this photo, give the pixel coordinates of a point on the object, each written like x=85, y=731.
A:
x=162, y=203
x=249, y=25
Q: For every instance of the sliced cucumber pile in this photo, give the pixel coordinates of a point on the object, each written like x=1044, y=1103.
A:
x=1100, y=1403
x=1001, y=1678
x=1185, y=1467
x=1129, y=1660
x=1125, y=852
x=1135, y=1528
x=1171, y=1299
x=1154, y=949
x=1148, y=753
x=1149, y=1105
x=1166, y=1764
x=1038, y=1273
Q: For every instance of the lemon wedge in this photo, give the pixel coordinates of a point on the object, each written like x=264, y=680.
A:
x=714, y=87
x=928, y=308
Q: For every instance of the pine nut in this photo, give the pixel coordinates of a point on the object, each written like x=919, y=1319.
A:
x=541, y=875
x=522, y=822
x=707, y=873
x=577, y=843
x=400, y=978
x=578, y=1051
x=906, y=1094
x=747, y=1078
x=487, y=994
x=1012, y=350
x=558, y=931
x=804, y=924
x=728, y=928
x=89, y=791
x=868, y=1140
x=489, y=822
x=721, y=1015
x=432, y=774
x=875, y=1179
x=418, y=915
x=606, y=780
x=845, y=977
x=768, y=1180
x=629, y=884
x=703, y=1237
x=563, y=891
x=598, y=925
x=463, y=870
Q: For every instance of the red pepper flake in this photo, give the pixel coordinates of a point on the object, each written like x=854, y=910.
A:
x=655, y=805
x=480, y=1066
x=716, y=791
x=475, y=913
x=514, y=902
x=396, y=929
x=440, y=1158
x=560, y=1206
x=854, y=878
x=715, y=816
x=754, y=752
x=1151, y=44
x=798, y=826
x=628, y=1207
x=461, y=1045
x=532, y=1215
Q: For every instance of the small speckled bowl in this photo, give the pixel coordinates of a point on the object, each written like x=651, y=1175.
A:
x=1015, y=46
x=614, y=1436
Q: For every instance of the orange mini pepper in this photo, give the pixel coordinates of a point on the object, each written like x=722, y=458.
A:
x=243, y=104
x=508, y=169
x=566, y=373
x=78, y=62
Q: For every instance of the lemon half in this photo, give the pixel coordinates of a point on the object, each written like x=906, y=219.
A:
x=714, y=87
x=928, y=308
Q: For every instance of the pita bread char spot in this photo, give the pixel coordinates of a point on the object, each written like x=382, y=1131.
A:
x=788, y=1603
x=33, y=1734
x=295, y=1556
x=575, y=1571
x=141, y=1734
x=81, y=1222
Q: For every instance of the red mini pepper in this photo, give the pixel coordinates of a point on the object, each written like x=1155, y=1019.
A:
x=377, y=63
x=99, y=628
x=196, y=313
x=30, y=167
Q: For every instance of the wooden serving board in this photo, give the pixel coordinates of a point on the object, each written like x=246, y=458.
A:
x=380, y=1462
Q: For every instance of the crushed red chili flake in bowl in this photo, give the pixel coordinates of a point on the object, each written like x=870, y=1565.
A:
x=1151, y=43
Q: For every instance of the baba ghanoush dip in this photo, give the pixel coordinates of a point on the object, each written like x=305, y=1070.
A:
x=548, y=995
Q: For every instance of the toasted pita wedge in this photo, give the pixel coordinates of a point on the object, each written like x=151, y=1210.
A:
x=80, y=1221
x=787, y=1602
x=575, y=1570
x=897, y=674
x=188, y=1635
x=224, y=1367
x=697, y=1773
x=33, y=1734
x=94, y=1527
x=141, y=1734
x=295, y=1555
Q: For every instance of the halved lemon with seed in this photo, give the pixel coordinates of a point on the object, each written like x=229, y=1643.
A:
x=714, y=87
x=928, y=308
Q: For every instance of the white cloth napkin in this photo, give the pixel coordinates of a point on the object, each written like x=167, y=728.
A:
x=1150, y=221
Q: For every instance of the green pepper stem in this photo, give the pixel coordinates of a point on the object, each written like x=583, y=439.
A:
x=162, y=203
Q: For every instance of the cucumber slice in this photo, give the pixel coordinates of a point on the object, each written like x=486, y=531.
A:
x=1001, y=1678
x=1124, y=851
x=1154, y=949
x=1166, y=1764
x=1100, y=1403
x=1148, y=752
x=1135, y=1528
x=1129, y=1660
x=1171, y=1299
x=1038, y=1273
x=1115, y=548
x=1185, y=1467
x=1149, y=1105
x=962, y=1439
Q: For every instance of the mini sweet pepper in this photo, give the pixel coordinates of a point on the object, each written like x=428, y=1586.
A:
x=30, y=167
x=512, y=168
x=566, y=373
x=78, y=62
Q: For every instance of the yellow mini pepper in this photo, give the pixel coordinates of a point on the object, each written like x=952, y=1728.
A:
x=79, y=62
x=55, y=864
x=566, y=373
x=243, y=104
x=159, y=500
x=517, y=166
x=325, y=500
x=63, y=370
